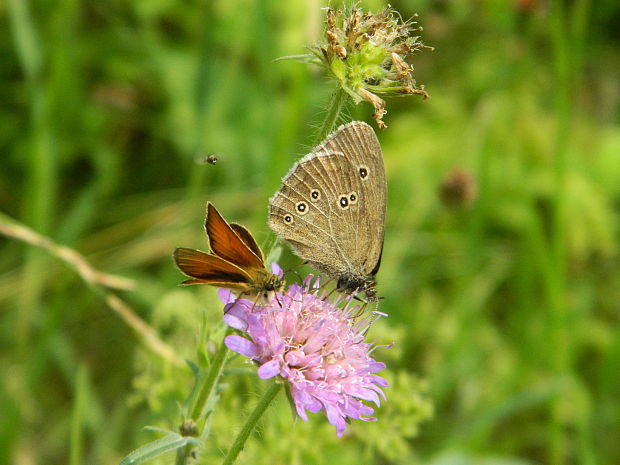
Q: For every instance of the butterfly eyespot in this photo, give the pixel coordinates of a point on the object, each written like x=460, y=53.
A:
x=363, y=172
x=343, y=201
x=288, y=219
x=315, y=194
x=302, y=207
x=353, y=198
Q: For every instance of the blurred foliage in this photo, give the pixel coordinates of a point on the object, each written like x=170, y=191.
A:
x=505, y=307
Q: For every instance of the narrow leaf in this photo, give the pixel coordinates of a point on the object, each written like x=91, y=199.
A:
x=156, y=448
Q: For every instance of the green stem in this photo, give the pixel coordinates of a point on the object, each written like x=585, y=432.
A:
x=202, y=400
x=208, y=383
x=183, y=455
x=258, y=411
x=334, y=109
x=556, y=278
x=39, y=195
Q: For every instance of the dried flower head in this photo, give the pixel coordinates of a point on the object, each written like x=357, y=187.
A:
x=367, y=55
x=316, y=346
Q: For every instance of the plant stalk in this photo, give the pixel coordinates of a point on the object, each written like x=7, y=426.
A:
x=199, y=407
x=334, y=109
x=243, y=435
x=207, y=384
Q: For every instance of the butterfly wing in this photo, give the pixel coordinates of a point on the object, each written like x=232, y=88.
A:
x=331, y=207
x=227, y=244
x=306, y=223
x=359, y=144
x=248, y=239
x=209, y=269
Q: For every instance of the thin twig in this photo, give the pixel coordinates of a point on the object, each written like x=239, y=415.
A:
x=69, y=256
x=98, y=280
x=148, y=334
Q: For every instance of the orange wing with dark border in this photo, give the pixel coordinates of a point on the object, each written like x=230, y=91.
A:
x=209, y=269
x=233, y=245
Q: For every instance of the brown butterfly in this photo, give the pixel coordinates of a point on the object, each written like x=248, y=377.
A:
x=236, y=261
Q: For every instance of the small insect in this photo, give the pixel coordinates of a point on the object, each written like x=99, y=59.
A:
x=236, y=261
x=210, y=159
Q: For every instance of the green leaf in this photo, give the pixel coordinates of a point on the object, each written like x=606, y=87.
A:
x=170, y=442
x=195, y=368
x=304, y=58
x=339, y=69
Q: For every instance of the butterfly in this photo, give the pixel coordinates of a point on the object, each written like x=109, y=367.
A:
x=331, y=208
x=236, y=261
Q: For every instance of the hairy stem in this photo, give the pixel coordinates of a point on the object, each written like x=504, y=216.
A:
x=243, y=435
x=334, y=109
x=201, y=405
x=208, y=383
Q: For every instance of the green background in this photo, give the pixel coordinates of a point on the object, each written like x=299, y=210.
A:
x=504, y=312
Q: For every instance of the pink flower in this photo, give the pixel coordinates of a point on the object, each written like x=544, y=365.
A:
x=315, y=345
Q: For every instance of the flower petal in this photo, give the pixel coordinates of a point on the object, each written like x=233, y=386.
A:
x=275, y=269
x=366, y=394
x=335, y=418
x=235, y=317
x=376, y=366
x=269, y=369
x=226, y=295
x=241, y=345
x=379, y=381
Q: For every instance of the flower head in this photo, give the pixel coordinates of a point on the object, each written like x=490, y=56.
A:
x=367, y=54
x=315, y=345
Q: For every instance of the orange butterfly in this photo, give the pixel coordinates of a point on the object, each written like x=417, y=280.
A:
x=236, y=261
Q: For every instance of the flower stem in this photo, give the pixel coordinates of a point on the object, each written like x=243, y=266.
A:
x=258, y=411
x=208, y=383
x=334, y=109
x=183, y=455
x=201, y=403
